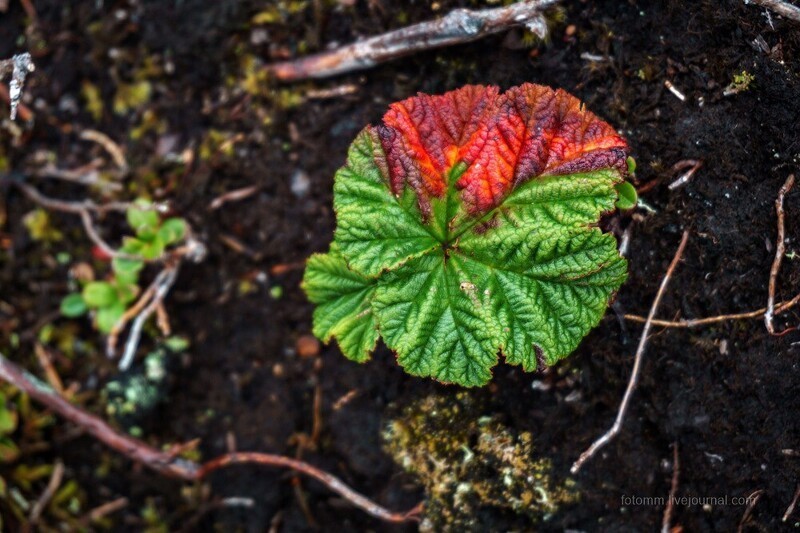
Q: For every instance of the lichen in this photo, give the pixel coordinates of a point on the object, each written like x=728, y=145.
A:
x=468, y=463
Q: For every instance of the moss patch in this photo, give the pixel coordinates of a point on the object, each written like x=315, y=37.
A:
x=468, y=463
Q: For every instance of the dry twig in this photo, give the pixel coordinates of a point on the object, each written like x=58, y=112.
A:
x=696, y=322
x=49, y=370
x=673, y=490
x=52, y=486
x=790, y=509
x=780, y=248
x=113, y=149
x=104, y=510
x=784, y=9
x=165, y=463
x=752, y=500
x=637, y=364
x=233, y=196
x=692, y=164
x=162, y=284
x=458, y=26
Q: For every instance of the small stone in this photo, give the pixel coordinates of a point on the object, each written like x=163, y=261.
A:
x=307, y=346
x=300, y=183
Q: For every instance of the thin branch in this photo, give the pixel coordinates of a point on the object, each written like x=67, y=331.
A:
x=94, y=235
x=780, y=7
x=163, y=283
x=65, y=206
x=104, y=510
x=233, y=196
x=52, y=486
x=752, y=500
x=780, y=249
x=696, y=322
x=112, y=148
x=673, y=490
x=458, y=26
x=166, y=463
x=790, y=509
x=637, y=364
x=87, y=175
x=693, y=165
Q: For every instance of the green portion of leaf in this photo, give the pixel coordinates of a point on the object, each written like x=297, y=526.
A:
x=430, y=312
x=545, y=305
x=152, y=248
x=131, y=245
x=126, y=291
x=107, y=317
x=627, y=196
x=376, y=230
x=127, y=269
x=631, y=163
x=172, y=230
x=142, y=217
x=73, y=305
x=8, y=419
x=99, y=294
x=343, y=304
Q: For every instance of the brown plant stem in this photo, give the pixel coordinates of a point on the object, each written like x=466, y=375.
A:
x=637, y=364
x=666, y=522
x=458, y=26
x=166, y=463
x=780, y=249
x=790, y=509
x=696, y=322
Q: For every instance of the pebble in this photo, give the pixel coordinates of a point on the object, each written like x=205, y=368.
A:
x=300, y=183
x=307, y=346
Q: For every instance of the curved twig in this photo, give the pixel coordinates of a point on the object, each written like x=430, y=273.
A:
x=637, y=364
x=166, y=463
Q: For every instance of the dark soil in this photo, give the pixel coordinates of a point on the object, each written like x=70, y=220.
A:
x=728, y=394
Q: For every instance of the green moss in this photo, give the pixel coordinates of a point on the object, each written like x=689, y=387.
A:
x=468, y=462
x=131, y=96
x=741, y=82
x=40, y=227
x=94, y=101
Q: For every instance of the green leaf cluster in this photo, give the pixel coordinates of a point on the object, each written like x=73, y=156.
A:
x=450, y=292
x=110, y=299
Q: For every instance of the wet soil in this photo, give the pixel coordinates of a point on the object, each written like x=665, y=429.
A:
x=728, y=394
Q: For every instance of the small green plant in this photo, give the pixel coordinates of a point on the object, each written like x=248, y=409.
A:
x=467, y=226
x=109, y=299
x=741, y=82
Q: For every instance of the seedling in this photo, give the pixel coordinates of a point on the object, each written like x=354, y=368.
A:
x=109, y=299
x=467, y=226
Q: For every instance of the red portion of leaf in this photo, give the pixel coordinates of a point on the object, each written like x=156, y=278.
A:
x=424, y=136
x=505, y=139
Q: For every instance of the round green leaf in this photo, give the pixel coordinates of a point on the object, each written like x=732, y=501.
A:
x=627, y=196
x=73, y=305
x=108, y=317
x=172, y=230
x=127, y=268
x=142, y=217
x=99, y=294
